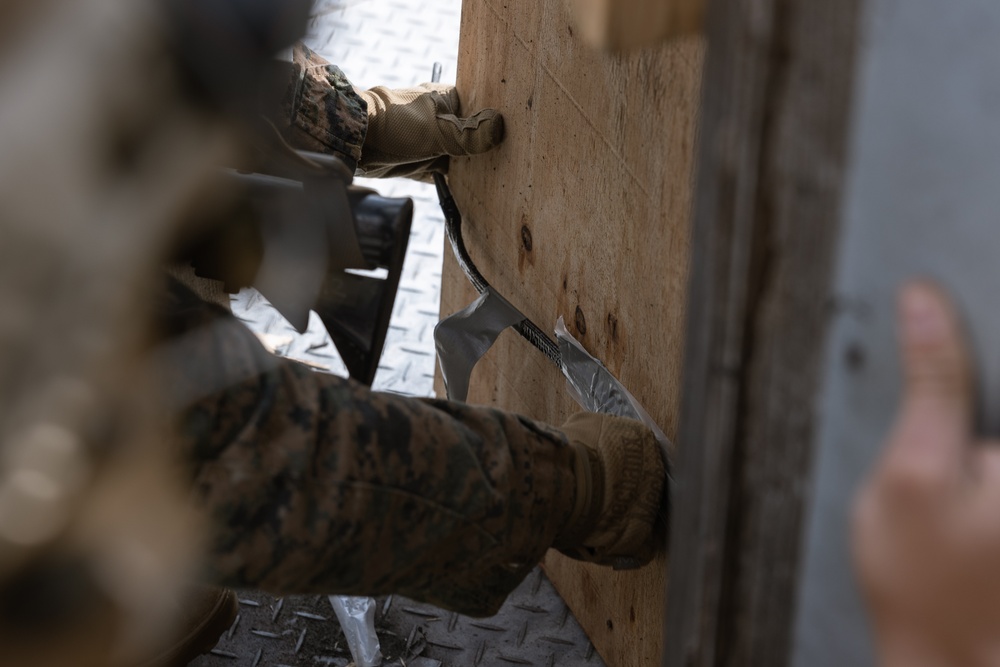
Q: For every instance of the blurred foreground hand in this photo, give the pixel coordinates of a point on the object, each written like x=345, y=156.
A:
x=927, y=522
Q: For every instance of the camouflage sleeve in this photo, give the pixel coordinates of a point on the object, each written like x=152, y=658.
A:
x=317, y=484
x=320, y=110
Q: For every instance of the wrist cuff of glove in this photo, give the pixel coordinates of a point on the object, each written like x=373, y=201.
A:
x=589, y=499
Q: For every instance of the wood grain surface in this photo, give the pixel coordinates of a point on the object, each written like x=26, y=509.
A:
x=621, y=24
x=582, y=212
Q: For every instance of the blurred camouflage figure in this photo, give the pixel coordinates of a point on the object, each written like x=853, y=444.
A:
x=106, y=143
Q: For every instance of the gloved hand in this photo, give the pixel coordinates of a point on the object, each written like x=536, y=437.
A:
x=620, y=516
x=413, y=132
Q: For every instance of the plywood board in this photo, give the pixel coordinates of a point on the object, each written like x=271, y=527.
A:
x=582, y=212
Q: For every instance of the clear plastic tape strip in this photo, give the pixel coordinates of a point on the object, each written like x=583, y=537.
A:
x=593, y=386
x=357, y=618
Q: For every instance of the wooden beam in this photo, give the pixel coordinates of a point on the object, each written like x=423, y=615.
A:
x=774, y=129
x=622, y=24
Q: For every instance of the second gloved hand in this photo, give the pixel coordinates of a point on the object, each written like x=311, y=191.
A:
x=412, y=132
x=620, y=515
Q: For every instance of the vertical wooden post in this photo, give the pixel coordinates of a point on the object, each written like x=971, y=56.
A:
x=776, y=100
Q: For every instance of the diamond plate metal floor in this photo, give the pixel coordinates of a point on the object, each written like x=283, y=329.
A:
x=534, y=629
x=394, y=43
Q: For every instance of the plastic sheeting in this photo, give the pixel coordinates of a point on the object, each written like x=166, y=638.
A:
x=463, y=338
x=357, y=618
x=593, y=386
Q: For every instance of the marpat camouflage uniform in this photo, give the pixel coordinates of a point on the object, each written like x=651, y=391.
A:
x=317, y=484
x=321, y=111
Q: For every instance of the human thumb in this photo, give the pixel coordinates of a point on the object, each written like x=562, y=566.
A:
x=935, y=419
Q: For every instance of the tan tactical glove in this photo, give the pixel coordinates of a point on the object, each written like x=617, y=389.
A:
x=412, y=132
x=620, y=512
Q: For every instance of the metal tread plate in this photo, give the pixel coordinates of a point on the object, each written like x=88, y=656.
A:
x=534, y=628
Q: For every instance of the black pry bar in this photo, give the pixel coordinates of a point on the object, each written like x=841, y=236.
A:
x=453, y=227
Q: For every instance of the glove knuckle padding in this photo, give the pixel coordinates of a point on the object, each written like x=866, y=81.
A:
x=470, y=136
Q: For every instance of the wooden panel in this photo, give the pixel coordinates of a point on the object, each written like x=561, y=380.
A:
x=778, y=83
x=629, y=23
x=583, y=212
